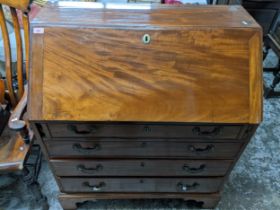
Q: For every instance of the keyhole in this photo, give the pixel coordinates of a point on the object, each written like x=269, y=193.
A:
x=146, y=39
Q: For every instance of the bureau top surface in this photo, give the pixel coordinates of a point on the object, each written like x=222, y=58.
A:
x=146, y=63
x=142, y=15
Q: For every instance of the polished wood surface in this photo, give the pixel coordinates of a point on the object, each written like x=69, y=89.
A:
x=198, y=185
x=13, y=153
x=8, y=58
x=19, y=47
x=15, y=122
x=26, y=28
x=18, y=4
x=72, y=201
x=146, y=167
x=126, y=80
x=142, y=149
x=145, y=130
x=34, y=107
x=256, y=81
x=146, y=16
x=161, y=104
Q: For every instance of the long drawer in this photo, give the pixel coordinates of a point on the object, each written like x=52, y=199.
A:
x=159, y=168
x=132, y=149
x=132, y=130
x=198, y=200
x=183, y=185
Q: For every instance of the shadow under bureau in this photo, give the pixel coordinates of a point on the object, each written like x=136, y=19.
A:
x=144, y=101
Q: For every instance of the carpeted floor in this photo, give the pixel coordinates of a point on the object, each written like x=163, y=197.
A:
x=254, y=184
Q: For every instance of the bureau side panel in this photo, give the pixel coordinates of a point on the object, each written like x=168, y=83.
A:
x=35, y=91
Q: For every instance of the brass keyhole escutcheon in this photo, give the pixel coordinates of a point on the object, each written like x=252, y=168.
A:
x=146, y=39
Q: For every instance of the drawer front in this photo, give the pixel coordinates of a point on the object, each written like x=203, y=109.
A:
x=94, y=149
x=199, y=200
x=145, y=130
x=140, y=167
x=184, y=185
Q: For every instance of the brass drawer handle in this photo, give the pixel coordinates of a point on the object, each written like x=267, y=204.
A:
x=215, y=132
x=86, y=170
x=86, y=150
x=87, y=130
x=207, y=149
x=186, y=187
x=95, y=188
x=193, y=170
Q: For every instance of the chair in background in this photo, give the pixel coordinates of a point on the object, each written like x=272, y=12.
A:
x=18, y=155
x=14, y=85
x=267, y=14
x=273, y=42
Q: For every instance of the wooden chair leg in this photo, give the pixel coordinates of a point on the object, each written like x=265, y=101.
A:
x=30, y=174
x=265, y=52
x=269, y=91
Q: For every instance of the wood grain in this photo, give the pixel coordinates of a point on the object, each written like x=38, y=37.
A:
x=203, y=69
x=145, y=130
x=99, y=95
x=113, y=76
x=19, y=48
x=18, y=4
x=26, y=28
x=125, y=185
x=13, y=154
x=150, y=16
x=144, y=167
x=141, y=149
x=256, y=81
x=8, y=58
x=34, y=107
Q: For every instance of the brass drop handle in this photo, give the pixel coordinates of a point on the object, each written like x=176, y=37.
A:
x=86, y=150
x=207, y=149
x=187, y=187
x=204, y=133
x=194, y=170
x=88, y=129
x=95, y=188
x=86, y=170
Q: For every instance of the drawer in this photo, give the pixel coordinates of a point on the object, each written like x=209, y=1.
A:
x=78, y=200
x=140, y=149
x=145, y=130
x=141, y=167
x=184, y=185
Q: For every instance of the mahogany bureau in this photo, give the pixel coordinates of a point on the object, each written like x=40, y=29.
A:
x=141, y=101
